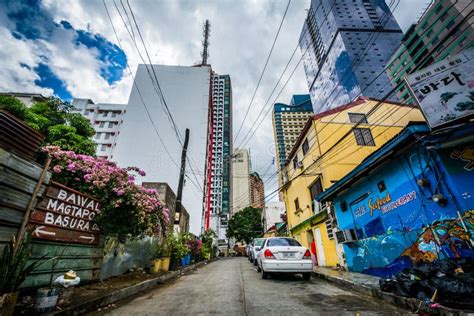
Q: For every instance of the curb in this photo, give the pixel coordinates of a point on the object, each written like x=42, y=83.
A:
x=407, y=303
x=104, y=300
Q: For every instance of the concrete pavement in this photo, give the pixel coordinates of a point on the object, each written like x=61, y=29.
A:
x=232, y=286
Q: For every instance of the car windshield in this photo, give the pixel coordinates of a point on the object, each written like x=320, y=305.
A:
x=258, y=242
x=283, y=242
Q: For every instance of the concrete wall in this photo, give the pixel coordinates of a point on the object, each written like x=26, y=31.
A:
x=240, y=179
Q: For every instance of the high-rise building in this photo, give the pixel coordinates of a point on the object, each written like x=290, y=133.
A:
x=240, y=179
x=346, y=45
x=257, y=191
x=445, y=28
x=148, y=137
x=218, y=185
x=106, y=120
x=288, y=122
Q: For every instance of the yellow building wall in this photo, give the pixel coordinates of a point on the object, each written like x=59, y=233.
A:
x=386, y=121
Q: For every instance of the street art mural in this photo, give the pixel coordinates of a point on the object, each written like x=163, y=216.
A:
x=399, y=224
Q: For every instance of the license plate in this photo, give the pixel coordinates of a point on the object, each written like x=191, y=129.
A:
x=288, y=255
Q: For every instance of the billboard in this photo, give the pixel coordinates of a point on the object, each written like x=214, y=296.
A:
x=445, y=90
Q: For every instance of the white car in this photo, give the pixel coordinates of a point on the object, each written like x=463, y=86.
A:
x=284, y=255
x=255, y=249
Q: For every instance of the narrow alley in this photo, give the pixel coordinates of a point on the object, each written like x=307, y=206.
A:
x=231, y=286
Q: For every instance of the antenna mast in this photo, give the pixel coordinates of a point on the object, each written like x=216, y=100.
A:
x=205, y=44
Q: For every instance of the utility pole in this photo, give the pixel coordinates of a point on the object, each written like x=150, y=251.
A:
x=205, y=43
x=179, y=194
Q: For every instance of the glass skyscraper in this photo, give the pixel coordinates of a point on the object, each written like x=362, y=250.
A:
x=346, y=45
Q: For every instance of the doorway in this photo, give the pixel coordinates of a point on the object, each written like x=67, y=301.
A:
x=319, y=247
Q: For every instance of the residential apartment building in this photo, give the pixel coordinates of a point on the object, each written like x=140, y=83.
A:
x=106, y=120
x=257, y=191
x=346, y=45
x=446, y=28
x=240, y=179
x=167, y=196
x=148, y=139
x=28, y=99
x=329, y=147
x=218, y=185
x=288, y=122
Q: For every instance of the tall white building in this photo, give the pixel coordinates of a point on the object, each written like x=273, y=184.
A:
x=186, y=92
x=106, y=120
x=271, y=214
x=218, y=185
x=240, y=179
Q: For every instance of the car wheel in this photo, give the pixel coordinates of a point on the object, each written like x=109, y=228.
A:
x=307, y=276
x=265, y=275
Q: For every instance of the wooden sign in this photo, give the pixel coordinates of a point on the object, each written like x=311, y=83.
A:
x=65, y=215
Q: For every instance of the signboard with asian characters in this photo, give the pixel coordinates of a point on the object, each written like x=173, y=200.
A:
x=65, y=215
x=445, y=90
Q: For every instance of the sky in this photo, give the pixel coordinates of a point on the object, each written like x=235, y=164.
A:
x=69, y=49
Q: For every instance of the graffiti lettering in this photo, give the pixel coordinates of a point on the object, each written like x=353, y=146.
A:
x=467, y=154
x=378, y=203
x=399, y=202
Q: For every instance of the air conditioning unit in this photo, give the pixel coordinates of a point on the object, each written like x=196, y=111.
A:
x=317, y=207
x=346, y=235
x=299, y=164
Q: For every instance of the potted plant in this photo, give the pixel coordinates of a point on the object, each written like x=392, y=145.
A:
x=47, y=297
x=157, y=259
x=167, y=250
x=13, y=271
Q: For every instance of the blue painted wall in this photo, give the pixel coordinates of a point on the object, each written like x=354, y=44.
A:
x=401, y=225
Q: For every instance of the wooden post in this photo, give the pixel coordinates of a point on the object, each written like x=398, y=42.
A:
x=26, y=216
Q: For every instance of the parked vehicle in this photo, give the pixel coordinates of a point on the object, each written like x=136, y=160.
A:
x=284, y=255
x=247, y=251
x=256, y=246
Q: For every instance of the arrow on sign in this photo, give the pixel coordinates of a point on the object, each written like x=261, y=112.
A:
x=91, y=238
x=39, y=231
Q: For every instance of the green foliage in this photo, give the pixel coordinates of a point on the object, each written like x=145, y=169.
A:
x=53, y=119
x=13, y=106
x=174, y=247
x=246, y=225
x=13, y=265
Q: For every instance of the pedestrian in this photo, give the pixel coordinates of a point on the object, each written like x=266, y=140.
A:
x=313, y=253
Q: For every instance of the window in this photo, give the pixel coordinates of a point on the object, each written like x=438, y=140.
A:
x=364, y=137
x=107, y=136
x=101, y=124
x=103, y=147
x=297, y=204
x=305, y=146
x=114, y=114
x=111, y=124
x=97, y=136
x=316, y=188
x=450, y=25
x=283, y=242
x=357, y=117
x=438, y=8
x=105, y=114
x=295, y=162
x=381, y=186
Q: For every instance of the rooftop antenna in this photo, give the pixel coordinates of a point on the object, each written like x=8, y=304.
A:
x=205, y=43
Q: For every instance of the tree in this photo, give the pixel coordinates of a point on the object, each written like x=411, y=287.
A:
x=70, y=131
x=246, y=225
